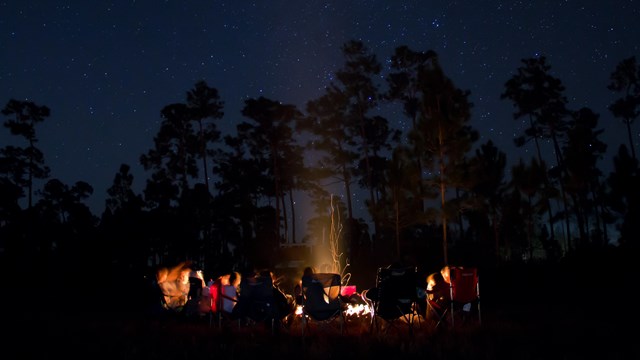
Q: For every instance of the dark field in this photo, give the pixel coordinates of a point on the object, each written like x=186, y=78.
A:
x=574, y=310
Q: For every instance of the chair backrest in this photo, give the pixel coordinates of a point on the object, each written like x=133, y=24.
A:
x=464, y=284
x=256, y=299
x=258, y=287
x=321, y=294
x=214, y=291
x=396, y=291
x=229, y=297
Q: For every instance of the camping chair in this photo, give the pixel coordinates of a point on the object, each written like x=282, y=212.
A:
x=223, y=299
x=396, y=298
x=465, y=294
x=321, y=301
x=256, y=302
x=464, y=291
x=194, y=297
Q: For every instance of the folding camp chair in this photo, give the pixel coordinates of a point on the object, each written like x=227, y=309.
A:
x=321, y=302
x=256, y=302
x=465, y=294
x=464, y=303
x=395, y=298
x=223, y=299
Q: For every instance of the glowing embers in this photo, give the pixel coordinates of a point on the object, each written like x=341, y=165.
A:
x=357, y=310
x=351, y=310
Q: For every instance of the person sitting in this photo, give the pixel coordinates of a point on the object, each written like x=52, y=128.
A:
x=194, y=297
x=446, y=274
x=307, y=274
x=284, y=302
x=438, y=290
x=224, y=292
x=174, y=285
x=229, y=291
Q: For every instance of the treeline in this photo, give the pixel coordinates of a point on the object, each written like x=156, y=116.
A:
x=434, y=194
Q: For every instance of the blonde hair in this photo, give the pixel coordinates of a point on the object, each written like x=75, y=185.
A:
x=446, y=273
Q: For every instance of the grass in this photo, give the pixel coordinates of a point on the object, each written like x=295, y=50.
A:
x=506, y=334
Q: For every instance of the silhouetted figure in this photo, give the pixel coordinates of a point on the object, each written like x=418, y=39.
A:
x=438, y=290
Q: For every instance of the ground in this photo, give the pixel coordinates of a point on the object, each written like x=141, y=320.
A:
x=573, y=311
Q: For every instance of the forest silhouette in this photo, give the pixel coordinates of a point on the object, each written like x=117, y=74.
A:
x=434, y=195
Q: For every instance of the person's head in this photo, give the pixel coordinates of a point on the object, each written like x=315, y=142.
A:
x=265, y=273
x=225, y=279
x=235, y=278
x=162, y=274
x=308, y=271
x=446, y=273
x=433, y=280
x=184, y=275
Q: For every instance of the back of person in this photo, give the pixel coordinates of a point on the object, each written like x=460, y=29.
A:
x=229, y=298
x=196, y=284
x=204, y=307
x=284, y=304
x=175, y=286
x=224, y=292
x=438, y=289
x=307, y=275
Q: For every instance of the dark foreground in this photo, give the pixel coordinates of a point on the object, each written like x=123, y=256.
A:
x=574, y=311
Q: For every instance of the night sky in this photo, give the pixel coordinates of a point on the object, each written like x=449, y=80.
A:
x=107, y=68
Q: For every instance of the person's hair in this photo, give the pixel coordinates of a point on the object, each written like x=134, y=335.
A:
x=235, y=278
x=308, y=271
x=435, y=278
x=446, y=273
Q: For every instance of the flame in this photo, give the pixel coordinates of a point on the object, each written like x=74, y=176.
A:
x=351, y=310
x=357, y=310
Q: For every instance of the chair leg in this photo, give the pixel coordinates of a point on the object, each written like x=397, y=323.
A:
x=437, y=316
x=303, y=323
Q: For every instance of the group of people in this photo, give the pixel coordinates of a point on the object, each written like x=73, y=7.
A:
x=259, y=297
x=184, y=289
x=434, y=293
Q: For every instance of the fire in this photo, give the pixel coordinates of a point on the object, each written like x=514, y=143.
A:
x=351, y=310
x=357, y=309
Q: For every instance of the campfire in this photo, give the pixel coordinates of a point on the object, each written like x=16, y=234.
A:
x=356, y=305
x=355, y=310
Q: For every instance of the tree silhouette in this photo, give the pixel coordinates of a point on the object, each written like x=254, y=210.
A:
x=402, y=206
x=486, y=187
x=270, y=138
x=442, y=135
x=241, y=224
x=356, y=82
x=624, y=198
x=582, y=152
x=173, y=159
x=528, y=196
x=123, y=226
x=242, y=181
x=27, y=161
x=404, y=85
x=204, y=103
x=626, y=79
x=538, y=96
x=331, y=141
x=121, y=195
x=65, y=202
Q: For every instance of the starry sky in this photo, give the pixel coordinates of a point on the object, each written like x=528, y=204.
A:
x=107, y=68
